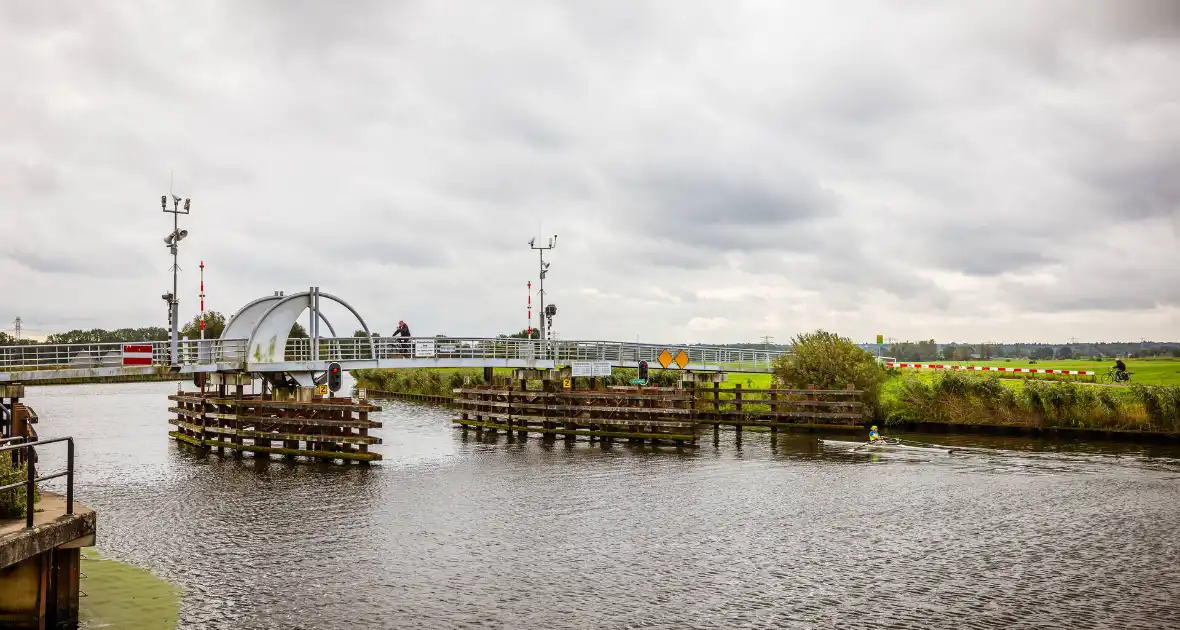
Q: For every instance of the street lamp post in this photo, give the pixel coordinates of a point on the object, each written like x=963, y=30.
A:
x=171, y=241
x=544, y=269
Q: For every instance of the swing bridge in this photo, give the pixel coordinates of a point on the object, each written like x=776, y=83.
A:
x=256, y=341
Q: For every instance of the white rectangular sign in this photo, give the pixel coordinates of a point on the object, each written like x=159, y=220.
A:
x=423, y=348
x=590, y=368
x=446, y=348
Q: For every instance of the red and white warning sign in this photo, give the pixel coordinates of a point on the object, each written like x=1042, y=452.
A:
x=137, y=354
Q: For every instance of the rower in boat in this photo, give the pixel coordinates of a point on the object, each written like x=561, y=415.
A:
x=873, y=435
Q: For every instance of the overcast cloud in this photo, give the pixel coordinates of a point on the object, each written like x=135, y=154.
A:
x=716, y=171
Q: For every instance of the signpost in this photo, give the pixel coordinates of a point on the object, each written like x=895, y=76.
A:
x=666, y=359
x=590, y=368
x=424, y=348
x=566, y=382
x=322, y=389
x=137, y=354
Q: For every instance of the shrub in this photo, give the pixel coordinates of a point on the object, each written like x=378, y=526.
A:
x=12, y=502
x=829, y=361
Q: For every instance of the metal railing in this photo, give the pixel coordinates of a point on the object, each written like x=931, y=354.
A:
x=61, y=356
x=235, y=351
x=31, y=479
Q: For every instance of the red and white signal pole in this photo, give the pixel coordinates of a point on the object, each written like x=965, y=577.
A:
x=530, y=329
x=202, y=299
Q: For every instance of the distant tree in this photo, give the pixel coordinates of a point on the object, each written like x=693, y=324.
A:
x=962, y=353
x=1065, y=352
x=948, y=352
x=214, y=325
x=361, y=333
x=1043, y=352
x=1176, y=352
x=986, y=351
x=298, y=332
x=99, y=335
x=523, y=334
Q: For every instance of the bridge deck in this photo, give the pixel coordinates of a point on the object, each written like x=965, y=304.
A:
x=108, y=360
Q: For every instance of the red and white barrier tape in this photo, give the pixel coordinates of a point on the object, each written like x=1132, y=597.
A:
x=985, y=368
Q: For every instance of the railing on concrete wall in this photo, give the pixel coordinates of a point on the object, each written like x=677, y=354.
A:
x=29, y=483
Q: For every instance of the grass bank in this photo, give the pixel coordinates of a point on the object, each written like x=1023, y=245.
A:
x=1148, y=371
x=441, y=381
x=133, y=378
x=957, y=398
x=124, y=597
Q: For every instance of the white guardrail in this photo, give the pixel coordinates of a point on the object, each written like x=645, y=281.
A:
x=233, y=352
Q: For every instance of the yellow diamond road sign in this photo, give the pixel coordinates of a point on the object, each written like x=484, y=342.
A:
x=682, y=359
x=665, y=358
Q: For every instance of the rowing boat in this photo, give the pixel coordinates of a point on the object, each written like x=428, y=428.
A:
x=884, y=445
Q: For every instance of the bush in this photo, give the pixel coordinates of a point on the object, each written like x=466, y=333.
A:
x=12, y=502
x=830, y=361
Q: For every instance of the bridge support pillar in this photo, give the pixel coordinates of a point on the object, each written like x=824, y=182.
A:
x=488, y=375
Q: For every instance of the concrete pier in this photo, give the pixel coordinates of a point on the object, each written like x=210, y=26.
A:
x=39, y=566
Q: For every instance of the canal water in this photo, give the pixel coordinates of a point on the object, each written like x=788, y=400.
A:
x=455, y=532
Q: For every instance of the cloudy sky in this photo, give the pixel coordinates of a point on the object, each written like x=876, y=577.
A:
x=715, y=171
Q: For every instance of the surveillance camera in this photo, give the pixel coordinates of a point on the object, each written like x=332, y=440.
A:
x=531, y=241
x=186, y=202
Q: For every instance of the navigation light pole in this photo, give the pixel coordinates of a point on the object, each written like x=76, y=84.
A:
x=171, y=241
x=544, y=268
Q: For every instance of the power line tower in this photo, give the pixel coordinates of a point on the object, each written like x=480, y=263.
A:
x=766, y=339
x=16, y=325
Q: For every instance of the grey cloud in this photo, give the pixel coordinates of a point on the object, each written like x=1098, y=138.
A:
x=841, y=152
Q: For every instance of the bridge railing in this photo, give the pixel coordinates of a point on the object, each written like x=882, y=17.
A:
x=562, y=352
x=234, y=352
x=61, y=356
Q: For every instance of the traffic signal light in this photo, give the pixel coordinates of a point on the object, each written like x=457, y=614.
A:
x=334, y=376
x=643, y=370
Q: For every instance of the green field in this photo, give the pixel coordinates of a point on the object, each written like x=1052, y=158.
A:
x=1153, y=371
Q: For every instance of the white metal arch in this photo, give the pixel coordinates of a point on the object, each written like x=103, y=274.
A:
x=275, y=324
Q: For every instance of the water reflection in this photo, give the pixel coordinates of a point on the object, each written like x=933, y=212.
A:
x=452, y=531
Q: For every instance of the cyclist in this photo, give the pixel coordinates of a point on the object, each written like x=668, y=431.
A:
x=403, y=344
x=1120, y=370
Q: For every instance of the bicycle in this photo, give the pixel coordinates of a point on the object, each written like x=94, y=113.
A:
x=1114, y=376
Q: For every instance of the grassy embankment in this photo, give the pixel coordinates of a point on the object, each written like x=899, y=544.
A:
x=1151, y=371
x=913, y=396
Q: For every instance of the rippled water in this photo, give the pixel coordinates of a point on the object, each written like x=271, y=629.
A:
x=457, y=532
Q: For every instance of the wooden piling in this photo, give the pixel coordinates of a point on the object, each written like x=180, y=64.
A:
x=335, y=429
